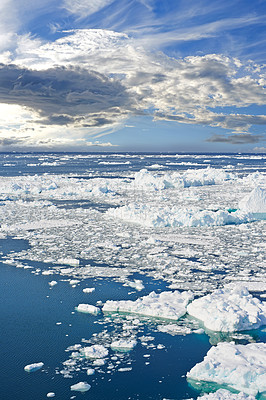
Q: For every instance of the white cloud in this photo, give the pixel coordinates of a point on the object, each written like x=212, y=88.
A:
x=84, y=8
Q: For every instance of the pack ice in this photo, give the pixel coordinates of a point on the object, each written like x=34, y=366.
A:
x=229, y=309
x=168, y=305
x=241, y=367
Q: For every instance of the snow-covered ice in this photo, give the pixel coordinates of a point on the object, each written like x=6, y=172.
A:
x=80, y=387
x=33, y=367
x=123, y=345
x=254, y=202
x=241, y=367
x=88, y=309
x=95, y=351
x=229, y=309
x=223, y=394
x=168, y=305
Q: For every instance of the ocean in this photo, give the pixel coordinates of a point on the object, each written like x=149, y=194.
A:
x=123, y=225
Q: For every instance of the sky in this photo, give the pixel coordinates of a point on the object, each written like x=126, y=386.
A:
x=133, y=75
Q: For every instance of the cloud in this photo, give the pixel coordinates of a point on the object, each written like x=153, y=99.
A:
x=236, y=139
x=84, y=8
x=260, y=149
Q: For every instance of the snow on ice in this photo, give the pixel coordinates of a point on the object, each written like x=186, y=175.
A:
x=241, y=367
x=229, y=309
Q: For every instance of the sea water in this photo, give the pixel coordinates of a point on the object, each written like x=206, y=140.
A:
x=57, y=226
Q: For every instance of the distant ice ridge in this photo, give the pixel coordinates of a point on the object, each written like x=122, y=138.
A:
x=196, y=177
x=254, y=202
x=168, y=305
x=241, y=367
x=223, y=394
x=151, y=216
x=33, y=367
x=229, y=309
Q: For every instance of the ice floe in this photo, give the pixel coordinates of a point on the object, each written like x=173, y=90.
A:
x=168, y=305
x=95, y=351
x=88, y=309
x=254, y=202
x=33, y=367
x=229, y=309
x=50, y=394
x=241, y=367
x=123, y=345
x=80, y=387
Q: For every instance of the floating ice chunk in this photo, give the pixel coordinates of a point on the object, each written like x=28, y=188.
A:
x=241, y=367
x=94, y=351
x=90, y=371
x=123, y=345
x=174, y=329
x=254, y=202
x=88, y=290
x=168, y=305
x=136, y=284
x=69, y=261
x=223, y=394
x=33, y=367
x=73, y=282
x=88, y=309
x=50, y=394
x=229, y=309
x=125, y=369
x=52, y=283
x=80, y=387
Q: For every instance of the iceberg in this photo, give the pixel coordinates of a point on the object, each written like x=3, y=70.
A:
x=95, y=351
x=240, y=367
x=50, y=394
x=33, y=367
x=229, y=309
x=223, y=394
x=88, y=309
x=255, y=203
x=80, y=387
x=167, y=305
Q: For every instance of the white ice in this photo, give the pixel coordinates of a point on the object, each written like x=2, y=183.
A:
x=88, y=309
x=33, y=367
x=80, y=387
x=50, y=394
x=241, y=367
x=229, y=309
x=95, y=351
x=168, y=305
x=223, y=394
x=123, y=345
x=254, y=202
x=88, y=290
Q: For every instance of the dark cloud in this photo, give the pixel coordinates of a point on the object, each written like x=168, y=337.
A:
x=236, y=139
x=12, y=141
x=64, y=95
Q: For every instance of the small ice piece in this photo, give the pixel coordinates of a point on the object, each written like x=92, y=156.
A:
x=174, y=329
x=88, y=309
x=52, y=283
x=69, y=261
x=241, y=367
x=50, y=394
x=94, y=351
x=167, y=305
x=125, y=369
x=99, y=362
x=229, y=309
x=33, y=367
x=123, y=345
x=73, y=282
x=223, y=394
x=80, y=387
x=88, y=290
x=90, y=371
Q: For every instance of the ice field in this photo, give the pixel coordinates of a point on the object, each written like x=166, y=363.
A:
x=133, y=276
